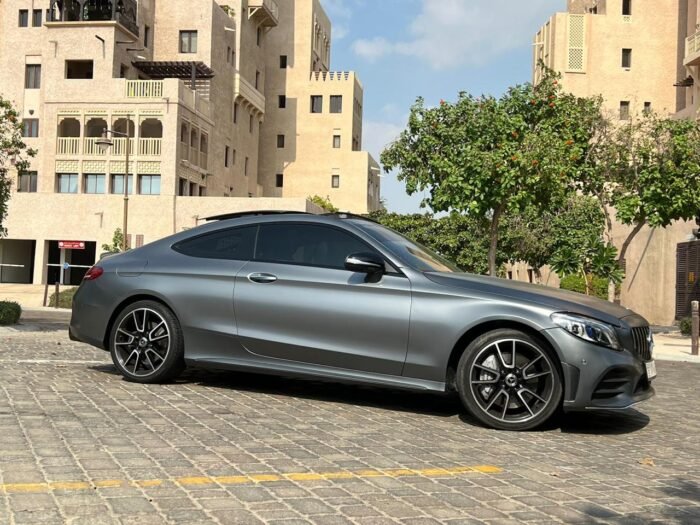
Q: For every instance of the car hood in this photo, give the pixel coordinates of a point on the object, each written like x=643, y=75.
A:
x=554, y=298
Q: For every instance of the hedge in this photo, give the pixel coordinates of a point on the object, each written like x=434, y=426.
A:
x=10, y=312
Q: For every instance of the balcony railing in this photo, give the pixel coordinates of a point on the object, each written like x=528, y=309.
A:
x=266, y=10
x=68, y=146
x=91, y=148
x=144, y=89
x=247, y=91
x=150, y=147
x=123, y=12
x=119, y=147
x=692, y=50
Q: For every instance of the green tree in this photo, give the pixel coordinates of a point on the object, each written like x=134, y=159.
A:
x=13, y=153
x=486, y=156
x=645, y=173
x=117, y=242
x=324, y=203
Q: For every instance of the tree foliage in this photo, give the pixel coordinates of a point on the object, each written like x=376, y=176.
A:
x=13, y=153
x=324, y=203
x=486, y=156
x=117, y=242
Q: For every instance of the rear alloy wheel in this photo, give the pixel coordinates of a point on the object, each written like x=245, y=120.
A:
x=146, y=343
x=509, y=381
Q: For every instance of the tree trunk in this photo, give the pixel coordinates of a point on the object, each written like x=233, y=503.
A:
x=585, y=280
x=622, y=258
x=493, y=235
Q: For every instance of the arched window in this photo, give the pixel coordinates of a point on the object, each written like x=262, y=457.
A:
x=95, y=127
x=151, y=128
x=69, y=127
x=120, y=126
x=184, y=133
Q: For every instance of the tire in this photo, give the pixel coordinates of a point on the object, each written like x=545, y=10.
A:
x=146, y=343
x=505, y=395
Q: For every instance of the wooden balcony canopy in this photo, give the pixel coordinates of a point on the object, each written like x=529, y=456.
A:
x=182, y=70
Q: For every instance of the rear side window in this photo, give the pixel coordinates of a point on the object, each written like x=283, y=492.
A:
x=307, y=244
x=232, y=244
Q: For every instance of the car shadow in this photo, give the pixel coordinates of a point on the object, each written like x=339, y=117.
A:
x=424, y=403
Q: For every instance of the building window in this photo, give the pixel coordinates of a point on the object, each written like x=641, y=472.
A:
x=624, y=110
x=194, y=189
x=282, y=101
x=283, y=61
x=67, y=183
x=188, y=41
x=123, y=71
x=336, y=104
x=250, y=123
x=146, y=36
x=647, y=108
x=280, y=141
x=627, y=58
x=202, y=191
x=118, y=184
x=36, y=18
x=235, y=113
x=93, y=183
x=30, y=128
x=27, y=182
x=182, y=187
x=335, y=181
x=23, y=18
x=32, y=76
x=258, y=39
x=257, y=80
x=316, y=104
x=233, y=158
x=79, y=69
x=279, y=180
x=228, y=54
x=149, y=184
x=245, y=167
x=227, y=152
x=627, y=7
x=336, y=141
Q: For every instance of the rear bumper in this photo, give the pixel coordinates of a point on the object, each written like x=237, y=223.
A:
x=597, y=377
x=87, y=323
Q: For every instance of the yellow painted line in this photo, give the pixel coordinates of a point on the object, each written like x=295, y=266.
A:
x=20, y=488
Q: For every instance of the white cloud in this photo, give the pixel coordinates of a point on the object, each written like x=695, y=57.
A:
x=450, y=33
x=377, y=135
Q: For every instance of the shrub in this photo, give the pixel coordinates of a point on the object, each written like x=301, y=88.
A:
x=686, y=326
x=65, y=298
x=575, y=283
x=10, y=313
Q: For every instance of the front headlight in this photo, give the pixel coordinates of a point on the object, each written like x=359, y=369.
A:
x=588, y=329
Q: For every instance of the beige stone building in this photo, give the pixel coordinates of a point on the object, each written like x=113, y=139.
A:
x=633, y=53
x=222, y=105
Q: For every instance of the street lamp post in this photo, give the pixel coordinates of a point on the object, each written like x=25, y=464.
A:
x=105, y=142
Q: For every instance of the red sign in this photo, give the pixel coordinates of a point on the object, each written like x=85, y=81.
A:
x=71, y=245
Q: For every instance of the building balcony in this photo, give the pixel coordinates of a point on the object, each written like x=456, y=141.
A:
x=265, y=12
x=247, y=93
x=70, y=147
x=692, y=50
x=123, y=12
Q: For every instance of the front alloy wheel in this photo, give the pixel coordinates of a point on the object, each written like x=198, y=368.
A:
x=146, y=343
x=509, y=381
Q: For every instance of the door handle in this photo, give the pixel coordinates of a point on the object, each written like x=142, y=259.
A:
x=263, y=278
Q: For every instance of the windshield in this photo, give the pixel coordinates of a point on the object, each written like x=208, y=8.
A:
x=415, y=255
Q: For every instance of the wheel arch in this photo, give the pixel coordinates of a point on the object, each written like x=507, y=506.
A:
x=487, y=326
x=141, y=296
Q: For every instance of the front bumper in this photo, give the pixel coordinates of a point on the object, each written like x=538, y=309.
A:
x=596, y=377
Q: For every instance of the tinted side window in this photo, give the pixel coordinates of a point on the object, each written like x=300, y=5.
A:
x=233, y=244
x=306, y=244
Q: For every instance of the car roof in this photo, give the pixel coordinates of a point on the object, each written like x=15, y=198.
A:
x=285, y=216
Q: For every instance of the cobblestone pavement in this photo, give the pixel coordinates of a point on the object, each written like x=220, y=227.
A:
x=80, y=445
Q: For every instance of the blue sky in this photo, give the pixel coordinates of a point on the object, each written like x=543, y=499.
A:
x=403, y=49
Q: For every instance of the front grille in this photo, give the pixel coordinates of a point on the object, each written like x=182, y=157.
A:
x=640, y=338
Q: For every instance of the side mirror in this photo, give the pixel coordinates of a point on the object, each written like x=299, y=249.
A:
x=365, y=262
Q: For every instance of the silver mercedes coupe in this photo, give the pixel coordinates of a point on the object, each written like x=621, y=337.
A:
x=342, y=298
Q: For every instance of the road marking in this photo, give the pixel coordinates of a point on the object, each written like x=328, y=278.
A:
x=192, y=481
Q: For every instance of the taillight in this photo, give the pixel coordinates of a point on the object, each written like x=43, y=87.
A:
x=93, y=273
